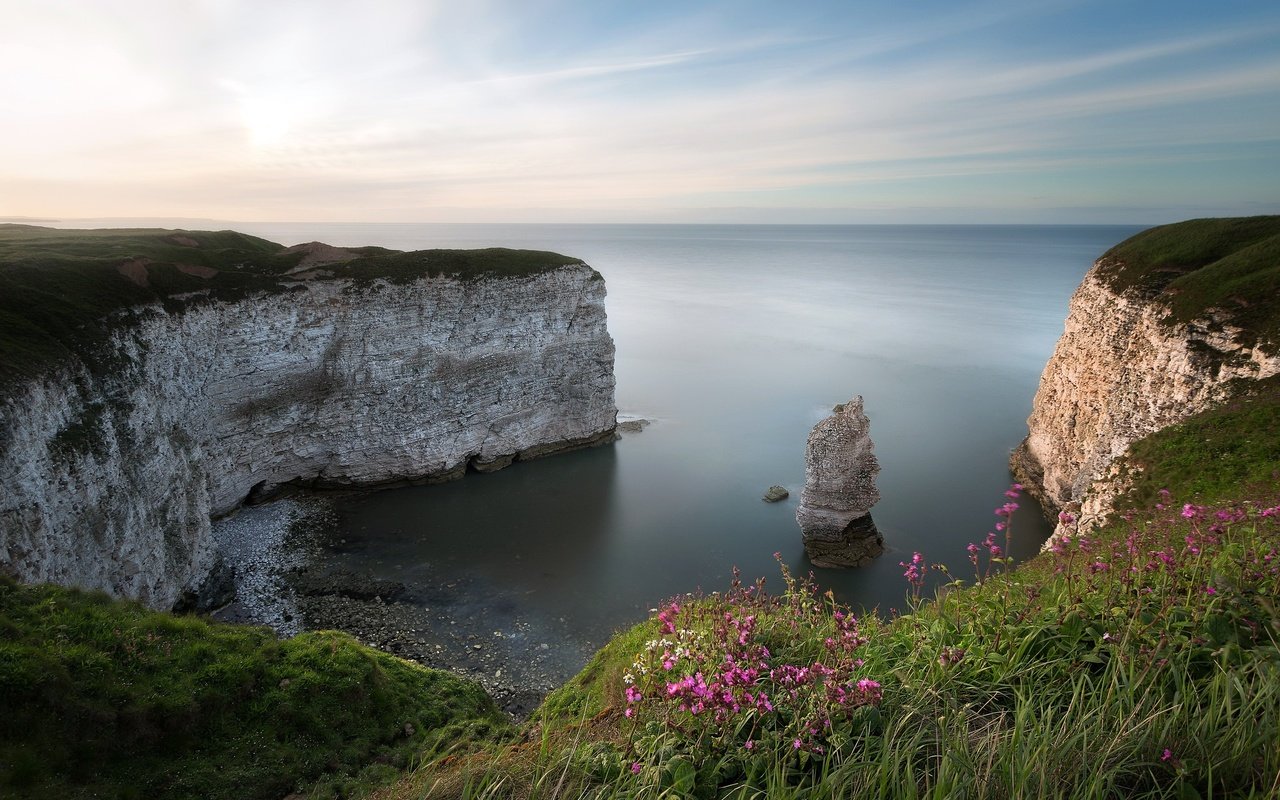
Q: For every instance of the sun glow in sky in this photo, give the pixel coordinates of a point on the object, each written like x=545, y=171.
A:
x=537, y=110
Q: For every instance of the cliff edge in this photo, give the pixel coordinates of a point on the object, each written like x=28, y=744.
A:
x=1170, y=323
x=154, y=379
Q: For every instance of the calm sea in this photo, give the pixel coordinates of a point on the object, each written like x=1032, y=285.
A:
x=735, y=340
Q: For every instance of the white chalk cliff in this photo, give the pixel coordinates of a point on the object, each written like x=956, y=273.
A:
x=1123, y=369
x=333, y=383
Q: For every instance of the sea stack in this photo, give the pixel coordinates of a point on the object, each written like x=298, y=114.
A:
x=840, y=471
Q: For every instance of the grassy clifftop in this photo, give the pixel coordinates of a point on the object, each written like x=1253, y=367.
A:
x=1228, y=269
x=102, y=698
x=63, y=291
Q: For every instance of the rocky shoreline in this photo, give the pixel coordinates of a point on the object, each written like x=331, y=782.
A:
x=286, y=579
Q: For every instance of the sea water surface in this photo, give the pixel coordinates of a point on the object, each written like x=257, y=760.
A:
x=735, y=341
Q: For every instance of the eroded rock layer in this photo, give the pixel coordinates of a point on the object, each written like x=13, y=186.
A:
x=111, y=476
x=840, y=469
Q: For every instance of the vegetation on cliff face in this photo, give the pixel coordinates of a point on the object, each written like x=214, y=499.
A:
x=102, y=698
x=1209, y=457
x=62, y=292
x=1220, y=270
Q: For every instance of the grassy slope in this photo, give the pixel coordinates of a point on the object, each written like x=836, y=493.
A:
x=102, y=698
x=1230, y=266
x=1216, y=456
x=61, y=291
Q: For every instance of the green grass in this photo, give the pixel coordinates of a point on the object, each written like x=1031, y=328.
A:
x=1210, y=456
x=62, y=293
x=1226, y=268
x=102, y=698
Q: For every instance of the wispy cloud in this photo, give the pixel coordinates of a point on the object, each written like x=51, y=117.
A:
x=276, y=110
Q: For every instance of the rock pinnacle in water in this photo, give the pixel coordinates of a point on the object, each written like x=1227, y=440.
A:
x=840, y=471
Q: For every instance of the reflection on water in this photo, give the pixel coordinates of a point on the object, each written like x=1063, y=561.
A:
x=736, y=340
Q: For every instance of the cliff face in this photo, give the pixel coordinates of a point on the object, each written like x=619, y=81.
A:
x=1123, y=369
x=111, y=476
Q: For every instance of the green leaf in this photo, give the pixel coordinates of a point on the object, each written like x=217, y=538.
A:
x=1073, y=626
x=1220, y=629
x=680, y=775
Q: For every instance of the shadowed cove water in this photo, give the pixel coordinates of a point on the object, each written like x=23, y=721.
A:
x=735, y=340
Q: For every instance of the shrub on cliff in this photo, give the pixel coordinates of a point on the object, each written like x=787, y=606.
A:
x=102, y=698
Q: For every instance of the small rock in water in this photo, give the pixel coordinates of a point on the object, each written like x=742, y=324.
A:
x=633, y=425
x=775, y=493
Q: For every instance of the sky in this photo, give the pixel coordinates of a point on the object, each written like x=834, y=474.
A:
x=598, y=111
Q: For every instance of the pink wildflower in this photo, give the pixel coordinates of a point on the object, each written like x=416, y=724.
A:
x=870, y=690
x=915, y=570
